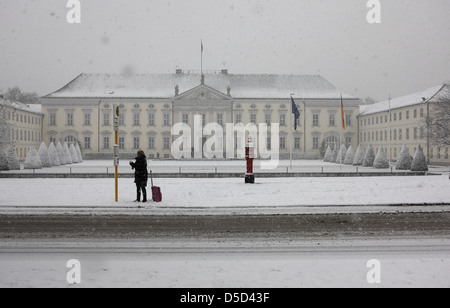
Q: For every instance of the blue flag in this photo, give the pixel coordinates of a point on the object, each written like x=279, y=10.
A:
x=296, y=112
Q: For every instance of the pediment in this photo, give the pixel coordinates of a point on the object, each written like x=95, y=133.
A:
x=204, y=93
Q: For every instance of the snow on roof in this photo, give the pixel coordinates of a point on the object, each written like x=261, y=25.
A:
x=400, y=102
x=33, y=108
x=163, y=86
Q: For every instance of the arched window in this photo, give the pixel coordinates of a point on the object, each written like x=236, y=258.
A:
x=332, y=142
x=70, y=140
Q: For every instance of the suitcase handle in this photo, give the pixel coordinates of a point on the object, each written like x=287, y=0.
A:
x=151, y=176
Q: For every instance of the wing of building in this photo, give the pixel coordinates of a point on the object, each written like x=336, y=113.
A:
x=403, y=120
x=82, y=111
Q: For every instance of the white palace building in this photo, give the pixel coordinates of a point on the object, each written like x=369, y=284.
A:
x=82, y=111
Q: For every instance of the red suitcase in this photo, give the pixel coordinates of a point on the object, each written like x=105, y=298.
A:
x=156, y=191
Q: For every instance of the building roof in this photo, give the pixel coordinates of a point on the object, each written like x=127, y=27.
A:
x=404, y=101
x=163, y=86
x=33, y=108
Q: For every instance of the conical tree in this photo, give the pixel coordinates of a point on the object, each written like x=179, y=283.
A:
x=328, y=154
x=359, y=157
x=13, y=159
x=54, y=157
x=33, y=160
x=381, y=161
x=3, y=161
x=341, y=155
x=419, y=162
x=334, y=155
x=349, y=156
x=44, y=155
x=61, y=154
x=404, y=161
x=73, y=154
x=80, y=156
x=369, y=158
x=67, y=154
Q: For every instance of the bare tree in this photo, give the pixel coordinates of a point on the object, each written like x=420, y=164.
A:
x=15, y=94
x=5, y=126
x=438, y=122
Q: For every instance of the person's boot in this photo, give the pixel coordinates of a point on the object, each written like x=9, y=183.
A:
x=138, y=198
x=145, y=197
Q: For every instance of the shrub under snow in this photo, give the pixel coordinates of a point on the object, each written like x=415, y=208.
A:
x=334, y=155
x=381, y=161
x=61, y=154
x=405, y=159
x=44, y=155
x=33, y=160
x=13, y=159
x=73, y=154
x=359, y=157
x=419, y=162
x=3, y=161
x=80, y=156
x=349, y=156
x=67, y=154
x=369, y=158
x=54, y=157
x=328, y=154
x=341, y=155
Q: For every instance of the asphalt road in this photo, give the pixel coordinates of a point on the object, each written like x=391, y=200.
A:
x=53, y=226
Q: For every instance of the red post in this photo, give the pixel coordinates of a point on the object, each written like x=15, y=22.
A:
x=250, y=157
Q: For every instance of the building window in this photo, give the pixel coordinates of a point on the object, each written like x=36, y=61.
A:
x=151, y=143
x=282, y=120
x=332, y=120
x=136, y=119
x=348, y=141
x=220, y=119
x=105, y=143
x=87, y=143
x=400, y=134
x=348, y=120
x=315, y=120
x=421, y=113
x=136, y=143
x=395, y=116
x=253, y=118
x=297, y=143
x=238, y=118
x=282, y=143
x=87, y=119
x=106, y=118
x=268, y=119
x=415, y=113
x=186, y=119
x=122, y=119
x=407, y=134
x=407, y=114
x=121, y=143
x=446, y=153
x=422, y=133
x=415, y=133
x=52, y=119
x=332, y=142
x=315, y=143
x=166, y=119
x=151, y=119
x=395, y=134
x=70, y=119
x=400, y=116
x=166, y=143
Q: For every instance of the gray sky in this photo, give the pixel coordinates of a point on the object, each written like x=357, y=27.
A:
x=408, y=52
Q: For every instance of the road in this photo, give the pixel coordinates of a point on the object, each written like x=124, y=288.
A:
x=225, y=251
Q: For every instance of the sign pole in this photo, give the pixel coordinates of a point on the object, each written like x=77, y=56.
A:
x=116, y=148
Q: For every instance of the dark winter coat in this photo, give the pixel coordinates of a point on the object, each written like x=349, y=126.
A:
x=141, y=172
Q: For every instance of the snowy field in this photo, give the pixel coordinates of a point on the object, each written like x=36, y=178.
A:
x=231, y=193
x=414, y=263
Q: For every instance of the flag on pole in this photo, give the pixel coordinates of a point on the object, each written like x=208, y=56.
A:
x=202, y=46
x=296, y=112
x=343, y=113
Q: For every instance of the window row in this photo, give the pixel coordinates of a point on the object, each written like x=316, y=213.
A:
x=22, y=118
x=394, y=116
x=26, y=135
x=396, y=134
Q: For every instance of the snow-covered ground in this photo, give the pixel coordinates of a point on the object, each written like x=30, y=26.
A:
x=283, y=193
x=420, y=262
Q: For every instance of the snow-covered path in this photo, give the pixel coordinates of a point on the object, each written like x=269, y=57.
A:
x=413, y=262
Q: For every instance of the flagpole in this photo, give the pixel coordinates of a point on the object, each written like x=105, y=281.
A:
x=340, y=134
x=390, y=137
x=201, y=58
x=290, y=133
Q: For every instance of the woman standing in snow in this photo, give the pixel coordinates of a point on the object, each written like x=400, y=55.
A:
x=140, y=175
